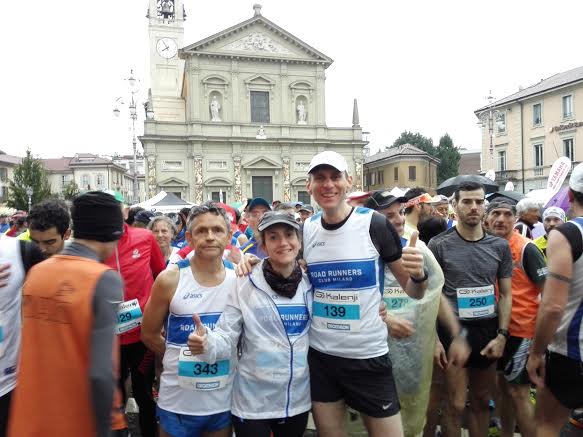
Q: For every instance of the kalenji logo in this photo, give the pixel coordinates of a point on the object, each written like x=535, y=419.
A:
x=136, y=254
x=318, y=243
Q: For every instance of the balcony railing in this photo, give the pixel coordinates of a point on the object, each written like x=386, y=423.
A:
x=506, y=175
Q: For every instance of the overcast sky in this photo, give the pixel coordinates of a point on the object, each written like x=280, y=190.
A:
x=413, y=65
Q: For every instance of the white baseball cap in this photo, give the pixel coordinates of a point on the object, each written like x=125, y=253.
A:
x=331, y=158
x=576, y=179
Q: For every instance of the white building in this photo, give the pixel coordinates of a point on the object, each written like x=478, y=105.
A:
x=532, y=128
x=241, y=111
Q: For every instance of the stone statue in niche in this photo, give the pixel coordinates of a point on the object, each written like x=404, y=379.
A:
x=302, y=115
x=261, y=135
x=215, y=107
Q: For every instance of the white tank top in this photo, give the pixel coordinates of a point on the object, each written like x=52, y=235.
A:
x=193, y=387
x=10, y=320
x=568, y=339
x=346, y=272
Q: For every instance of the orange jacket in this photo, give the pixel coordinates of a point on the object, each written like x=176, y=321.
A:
x=53, y=380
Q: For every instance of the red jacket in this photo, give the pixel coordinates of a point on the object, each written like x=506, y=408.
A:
x=140, y=261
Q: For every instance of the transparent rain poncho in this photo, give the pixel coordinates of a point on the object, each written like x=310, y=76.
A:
x=412, y=357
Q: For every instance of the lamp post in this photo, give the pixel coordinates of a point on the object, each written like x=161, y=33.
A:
x=29, y=193
x=487, y=118
x=134, y=89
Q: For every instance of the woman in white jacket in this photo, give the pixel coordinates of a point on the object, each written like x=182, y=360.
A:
x=270, y=312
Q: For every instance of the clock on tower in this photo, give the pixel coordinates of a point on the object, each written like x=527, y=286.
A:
x=166, y=32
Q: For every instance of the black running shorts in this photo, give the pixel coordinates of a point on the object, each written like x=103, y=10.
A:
x=480, y=333
x=513, y=363
x=366, y=385
x=564, y=378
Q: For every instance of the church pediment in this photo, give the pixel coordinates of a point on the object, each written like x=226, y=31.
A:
x=258, y=79
x=173, y=182
x=259, y=42
x=262, y=163
x=257, y=37
x=302, y=180
x=218, y=182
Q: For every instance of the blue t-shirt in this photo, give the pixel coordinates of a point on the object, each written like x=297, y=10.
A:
x=180, y=240
x=252, y=247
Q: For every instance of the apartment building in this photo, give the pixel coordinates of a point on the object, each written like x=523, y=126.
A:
x=524, y=133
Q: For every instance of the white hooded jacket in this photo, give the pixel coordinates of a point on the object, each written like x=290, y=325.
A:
x=272, y=379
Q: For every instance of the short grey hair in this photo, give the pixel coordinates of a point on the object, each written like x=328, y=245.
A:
x=162, y=218
x=525, y=205
x=208, y=207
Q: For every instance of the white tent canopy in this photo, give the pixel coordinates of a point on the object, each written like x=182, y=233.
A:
x=164, y=202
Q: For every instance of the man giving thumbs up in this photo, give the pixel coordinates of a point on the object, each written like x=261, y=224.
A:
x=187, y=299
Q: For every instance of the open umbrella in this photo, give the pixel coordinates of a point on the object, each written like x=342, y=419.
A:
x=509, y=196
x=448, y=186
x=560, y=199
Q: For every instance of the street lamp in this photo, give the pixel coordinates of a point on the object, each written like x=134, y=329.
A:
x=134, y=89
x=487, y=118
x=29, y=192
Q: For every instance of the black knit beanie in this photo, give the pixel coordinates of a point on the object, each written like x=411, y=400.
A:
x=97, y=216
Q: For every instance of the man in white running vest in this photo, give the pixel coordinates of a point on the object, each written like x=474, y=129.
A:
x=346, y=249
x=559, y=374
x=195, y=397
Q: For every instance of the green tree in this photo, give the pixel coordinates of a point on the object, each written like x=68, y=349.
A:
x=449, y=156
x=70, y=190
x=30, y=173
x=417, y=140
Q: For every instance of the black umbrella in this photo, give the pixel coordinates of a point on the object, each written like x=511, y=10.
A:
x=450, y=185
x=510, y=196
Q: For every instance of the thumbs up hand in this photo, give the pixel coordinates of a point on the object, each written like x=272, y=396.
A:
x=197, y=340
x=412, y=258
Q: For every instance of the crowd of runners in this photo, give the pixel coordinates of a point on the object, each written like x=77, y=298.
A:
x=421, y=313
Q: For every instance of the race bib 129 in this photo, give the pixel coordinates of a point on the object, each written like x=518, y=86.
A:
x=339, y=311
x=129, y=316
x=476, y=302
x=198, y=375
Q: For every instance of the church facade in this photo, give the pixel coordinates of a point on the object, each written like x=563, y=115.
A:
x=238, y=114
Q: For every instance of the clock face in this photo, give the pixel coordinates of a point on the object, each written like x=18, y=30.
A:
x=166, y=48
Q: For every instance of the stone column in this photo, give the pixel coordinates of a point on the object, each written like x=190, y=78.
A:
x=237, y=189
x=286, y=182
x=198, y=189
x=151, y=181
x=358, y=174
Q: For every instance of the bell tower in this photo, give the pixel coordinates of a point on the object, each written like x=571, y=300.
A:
x=166, y=32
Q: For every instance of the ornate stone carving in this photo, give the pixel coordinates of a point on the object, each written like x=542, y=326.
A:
x=198, y=180
x=238, y=191
x=152, y=182
x=286, y=182
x=257, y=42
x=358, y=175
x=261, y=135
x=301, y=166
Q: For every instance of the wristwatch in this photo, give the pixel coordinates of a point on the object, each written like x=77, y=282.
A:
x=420, y=280
x=504, y=332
